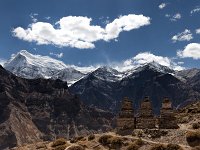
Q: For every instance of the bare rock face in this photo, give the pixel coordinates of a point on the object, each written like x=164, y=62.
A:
x=39, y=109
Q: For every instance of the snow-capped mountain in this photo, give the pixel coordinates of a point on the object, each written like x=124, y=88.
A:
x=152, y=65
x=68, y=74
x=107, y=73
x=27, y=65
x=105, y=87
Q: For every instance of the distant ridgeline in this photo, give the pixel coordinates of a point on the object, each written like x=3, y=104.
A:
x=145, y=119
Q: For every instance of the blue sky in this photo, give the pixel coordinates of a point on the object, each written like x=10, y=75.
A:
x=164, y=30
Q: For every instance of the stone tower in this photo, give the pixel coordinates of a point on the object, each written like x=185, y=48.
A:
x=125, y=119
x=167, y=118
x=145, y=118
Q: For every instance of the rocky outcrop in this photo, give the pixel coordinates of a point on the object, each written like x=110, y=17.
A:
x=39, y=109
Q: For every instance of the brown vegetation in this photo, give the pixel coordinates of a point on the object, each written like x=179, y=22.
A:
x=193, y=138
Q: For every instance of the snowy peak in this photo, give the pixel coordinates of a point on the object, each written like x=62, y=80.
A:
x=25, y=58
x=107, y=73
x=27, y=65
x=154, y=66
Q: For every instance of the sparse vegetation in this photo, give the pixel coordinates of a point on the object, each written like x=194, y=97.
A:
x=196, y=125
x=193, y=138
x=105, y=139
x=59, y=142
x=168, y=147
x=158, y=147
x=115, y=142
x=173, y=147
x=135, y=145
x=76, y=139
x=75, y=147
x=91, y=137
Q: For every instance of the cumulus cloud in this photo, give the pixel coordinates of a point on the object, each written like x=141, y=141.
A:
x=192, y=50
x=175, y=17
x=183, y=36
x=198, y=31
x=60, y=55
x=195, y=10
x=147, y=57
x=77, y=31
x=162, y=5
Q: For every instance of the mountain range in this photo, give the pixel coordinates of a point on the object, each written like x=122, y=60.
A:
x=34, y=110
x=105, y=87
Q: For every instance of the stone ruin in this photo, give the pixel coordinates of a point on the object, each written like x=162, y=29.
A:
x=145, y=119
x=167, y=118
x=125, y=119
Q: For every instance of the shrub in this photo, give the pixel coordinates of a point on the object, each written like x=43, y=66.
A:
x=115, y=142
x=91, y=137
x=60, y=147
x=135, y=145
x=75, y=147
x=158, y=147
x=59, y=142
x=193, y=138
x=139, y=142
x=76, y=139
x=105, y=139
x=132, y=146
x=173, y=147
x=195, y=125
x=168, y=147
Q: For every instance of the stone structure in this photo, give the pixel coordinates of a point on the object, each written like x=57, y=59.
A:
x=125, y=119
x=145, y=118
x=167, y=118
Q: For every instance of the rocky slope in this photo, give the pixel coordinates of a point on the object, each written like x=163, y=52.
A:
x=140, y=139
x=40, y=109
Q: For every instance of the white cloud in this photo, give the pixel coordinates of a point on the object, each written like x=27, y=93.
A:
x=78, y=32
x=198, y=31
x=147, y=57
x=195, y=10
x=167, y=15
x=33, y=17
x=192, y=50
x=176, y=17
x=48, y=17
x=60, y=55
x=162, y=5
x=183, y=36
